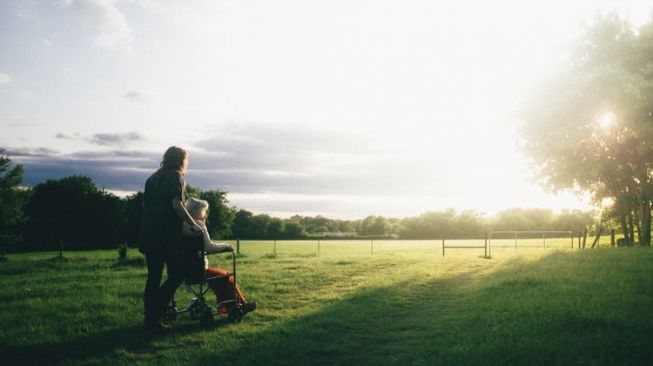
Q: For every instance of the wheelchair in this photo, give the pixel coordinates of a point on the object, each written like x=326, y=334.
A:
x=198, y=308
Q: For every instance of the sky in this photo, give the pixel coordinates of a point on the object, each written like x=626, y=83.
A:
x=338, y=108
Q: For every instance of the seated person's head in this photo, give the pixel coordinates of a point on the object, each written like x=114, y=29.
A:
x=197, y=208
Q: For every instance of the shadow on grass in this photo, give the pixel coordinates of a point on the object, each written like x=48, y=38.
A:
x=98, y=346
x=552, y=311
x=527, y=312
x=138, y=262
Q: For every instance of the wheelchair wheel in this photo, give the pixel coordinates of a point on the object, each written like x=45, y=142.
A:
x=235, y=314
x=196, y=308
x=206, y=317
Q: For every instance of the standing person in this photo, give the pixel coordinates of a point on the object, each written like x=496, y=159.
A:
x=163, y=215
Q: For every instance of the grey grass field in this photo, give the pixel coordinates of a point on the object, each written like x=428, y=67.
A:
x=382, y=303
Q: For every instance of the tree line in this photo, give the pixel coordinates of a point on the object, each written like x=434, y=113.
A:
x=73, y=213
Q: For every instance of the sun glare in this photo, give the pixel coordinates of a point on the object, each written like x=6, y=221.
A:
x=607, y=119
x=607, y=202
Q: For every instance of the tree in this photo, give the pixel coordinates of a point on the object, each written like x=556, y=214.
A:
x=11, y=177
x=133, y=217
x=574, y=220
x=241, y=224
x=317, y=225
x=106, y=217
x=589, y=127
x=259, y=226
x=293, y=229
x=524, y=219
x=191, y=191
x=12, y=199
x=275, y=228
x=73, y=211
x=373, y=225
x=469, y=223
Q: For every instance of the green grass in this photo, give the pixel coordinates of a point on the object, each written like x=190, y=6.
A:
x=402, y=305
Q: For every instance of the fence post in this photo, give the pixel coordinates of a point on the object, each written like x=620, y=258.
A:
x=584, y=238
x=237, y=246
x=371, y=246
x=122, y=251
x=485, y=245
x=612, y=238
x=442, y=236
x=489, y=245
x=275, y=247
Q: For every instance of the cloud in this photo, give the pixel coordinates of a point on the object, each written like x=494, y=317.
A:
x=291, y=159
x=117, y=170
x=4, y=78
x=16, y=122
x=281, y=176
x=286, y=147
x=239, y=163
x=138, y=96
x=110, y=25
x=27, y=152
x=265, y=164
x=105, y=139
x=64, y=136
x=116, y=139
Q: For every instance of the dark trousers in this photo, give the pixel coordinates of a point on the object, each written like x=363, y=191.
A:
x=157, y=296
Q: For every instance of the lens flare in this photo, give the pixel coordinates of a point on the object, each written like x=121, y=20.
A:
x=607, y=119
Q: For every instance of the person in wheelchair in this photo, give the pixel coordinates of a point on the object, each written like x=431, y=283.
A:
x=223, y=290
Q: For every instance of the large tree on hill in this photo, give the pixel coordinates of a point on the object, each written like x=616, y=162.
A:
x=590, y=126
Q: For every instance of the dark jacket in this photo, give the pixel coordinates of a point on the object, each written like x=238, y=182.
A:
x=161, y=228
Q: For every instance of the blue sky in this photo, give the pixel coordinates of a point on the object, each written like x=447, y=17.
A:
x=339, y=108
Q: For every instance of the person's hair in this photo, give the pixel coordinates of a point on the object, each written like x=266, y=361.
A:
x=173, y=159
x=196, y=207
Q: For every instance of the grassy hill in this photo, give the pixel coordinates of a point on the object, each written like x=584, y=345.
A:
x=344, y=308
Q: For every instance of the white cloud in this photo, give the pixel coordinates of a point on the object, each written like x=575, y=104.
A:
x=32, y=152
x=4, y=78
x=110, y=24
x=116, y=139
x=138, y=96
x=64, y=136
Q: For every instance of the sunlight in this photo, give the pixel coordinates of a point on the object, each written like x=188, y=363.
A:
x=606, y=120
x=607, y=202
x=275, y=98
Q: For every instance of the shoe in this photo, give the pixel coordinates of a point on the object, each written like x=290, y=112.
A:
x=248, y=307
x=157, y=326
